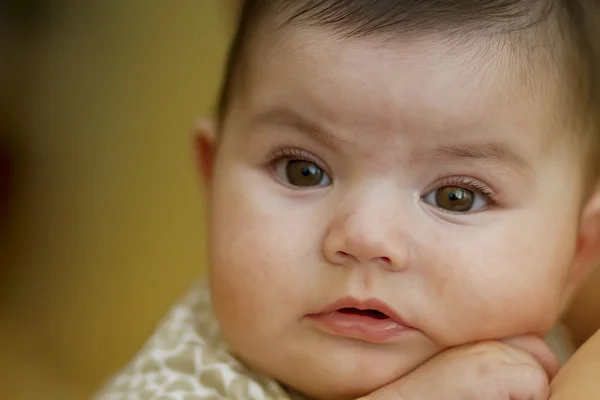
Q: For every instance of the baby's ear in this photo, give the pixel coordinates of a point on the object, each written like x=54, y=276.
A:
x=587, y=255
x=205, y=133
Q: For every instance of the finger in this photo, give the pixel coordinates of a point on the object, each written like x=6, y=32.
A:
x=523, y=382
x=539, y=350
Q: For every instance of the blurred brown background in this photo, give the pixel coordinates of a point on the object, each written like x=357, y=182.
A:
x=102, y=227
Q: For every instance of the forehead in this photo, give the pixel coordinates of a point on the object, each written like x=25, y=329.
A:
x=419, y=86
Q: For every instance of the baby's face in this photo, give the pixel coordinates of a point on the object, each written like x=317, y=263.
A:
x=415, y=179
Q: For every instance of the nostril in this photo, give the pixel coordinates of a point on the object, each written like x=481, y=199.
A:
x=386, y=260
x=343, y=254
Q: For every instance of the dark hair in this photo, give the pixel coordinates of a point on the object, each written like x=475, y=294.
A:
x=529, y=25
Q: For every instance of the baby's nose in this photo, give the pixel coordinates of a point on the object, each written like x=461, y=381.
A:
x=385, y=260
x=363, y=239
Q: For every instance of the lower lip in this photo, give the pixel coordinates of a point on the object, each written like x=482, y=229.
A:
x=360, y=327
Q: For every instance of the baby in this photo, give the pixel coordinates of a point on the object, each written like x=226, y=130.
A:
x=403, y=199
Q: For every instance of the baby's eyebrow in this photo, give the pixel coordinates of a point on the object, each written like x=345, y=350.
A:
x=286, y=117
x=476, y=150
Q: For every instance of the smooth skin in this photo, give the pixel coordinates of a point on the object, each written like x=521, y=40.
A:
x=426, y=120
x=578, y=379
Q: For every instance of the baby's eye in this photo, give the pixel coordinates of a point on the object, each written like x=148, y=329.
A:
x=456, y=199
x=301, y=173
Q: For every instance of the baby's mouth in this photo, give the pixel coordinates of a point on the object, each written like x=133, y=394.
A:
x=369, y=320
x=376, y=314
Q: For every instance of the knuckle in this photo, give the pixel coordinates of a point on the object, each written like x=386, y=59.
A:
x=499, y=372
x=538, y=382
x=496, y=352
x=389, y=394
x=491, y=348
x=487, y=354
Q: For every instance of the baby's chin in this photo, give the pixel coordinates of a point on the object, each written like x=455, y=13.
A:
x=342, y=386
x=338, y=372
x=327, y=390
x=331, y=385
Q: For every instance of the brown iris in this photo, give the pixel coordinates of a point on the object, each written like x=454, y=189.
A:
x=453, y=198
x=303, y=173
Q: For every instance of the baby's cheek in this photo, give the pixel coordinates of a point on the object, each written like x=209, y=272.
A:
x=503, y=306
x=512, y=282
x=253, y=281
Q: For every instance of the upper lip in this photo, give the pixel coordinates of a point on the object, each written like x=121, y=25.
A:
x=366, y=304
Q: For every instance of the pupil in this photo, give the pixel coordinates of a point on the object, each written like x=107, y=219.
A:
x=455, y=199
x=303, y=173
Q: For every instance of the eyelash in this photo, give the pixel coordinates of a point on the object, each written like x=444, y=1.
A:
x=293, y=154
x=467, y=183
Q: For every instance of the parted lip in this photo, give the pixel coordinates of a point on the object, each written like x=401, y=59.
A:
x=372, y=304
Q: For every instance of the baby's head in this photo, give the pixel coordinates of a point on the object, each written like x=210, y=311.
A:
x=431, y=160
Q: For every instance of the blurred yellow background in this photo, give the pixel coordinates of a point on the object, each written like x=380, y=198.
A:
x=106, y=214
x=105, y=225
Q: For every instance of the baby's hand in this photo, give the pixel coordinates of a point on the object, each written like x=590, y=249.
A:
x=515, y=369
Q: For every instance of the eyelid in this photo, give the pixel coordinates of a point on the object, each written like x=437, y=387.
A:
x=294, y=153
x=465, y=182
